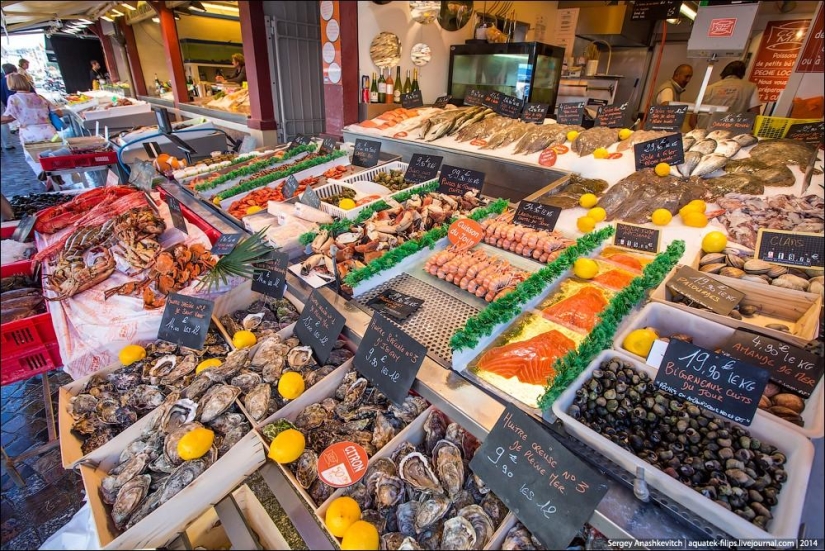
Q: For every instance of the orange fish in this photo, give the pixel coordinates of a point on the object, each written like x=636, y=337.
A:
x=530, y=361
x=626, y=260
x=579, y=310
x=615, y=279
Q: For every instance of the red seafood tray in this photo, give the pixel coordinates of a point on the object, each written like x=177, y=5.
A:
x=27, y=346
x=21, y=265
x=194, y=219
x=83, y=160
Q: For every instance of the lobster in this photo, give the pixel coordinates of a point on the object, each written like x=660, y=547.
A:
x=54, y=219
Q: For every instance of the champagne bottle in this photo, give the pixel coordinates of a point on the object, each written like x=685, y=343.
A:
x=374, y=90
x=382, y=87
x=407, y=85
x=390, y=86
x=396, y=92
x=415, y=86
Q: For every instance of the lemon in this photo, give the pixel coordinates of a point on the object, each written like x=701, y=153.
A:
x=244, y=339
x=346, y=204
x=343, y=513
x=195, y=443
x=216, y=200
x=206, y=364
x=597, y=213
x=291, y=385
x=661, y=217
x=625, y=133
x=253, y=209
x=131, y=353
x=640, y=341
x=698, y=205
x=695, y=219
x=714, y=242
x=287, y=446
x=585, y=224
x=662, y=169
x=585, y=268
x=600, y=153
x=588, y=200
x=361, y=535
x=572, y=135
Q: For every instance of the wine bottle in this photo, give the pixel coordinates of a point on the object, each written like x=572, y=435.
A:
x=396, y=92
x=382, y=87
x=407, y=85
x=390, y=86
x=415, y=86
x=374, y=90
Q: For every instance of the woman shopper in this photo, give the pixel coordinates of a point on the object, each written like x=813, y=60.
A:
x=30, y=110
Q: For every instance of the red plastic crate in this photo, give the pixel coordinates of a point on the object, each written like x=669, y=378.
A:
x=21, y=265
x=196, y=220
x=83, y=160
x=28, y=335
x=30, y=363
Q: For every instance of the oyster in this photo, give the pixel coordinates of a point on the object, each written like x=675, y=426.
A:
x=405, y=516
x=382, y=431
x=82, y=403
x=162, y=465
x=227, y=422
x=379, y=466
x=197, y=387
x=306, y=468
x=252, y=321
x=409, y=543
x=481, y=522
x=458, y=534
x=267, y=349
x=416, y=471
x=149, y=504
x=162, y=367
x=217, y=399
x=272, y=369
x=246, y=381
x=412, y=407
x=181, y=478
x=354, y=394
x=106, y=411
x=311, y=417
x=448, y=466
x=465, y=441
x=299, y=356
x=391, y=540
x=494, y=507
x=235, y=360
x=122, y=474
x=129, y=499
x=435, y=428
x=359, y=493
x=232, y=437
x=389, y=491
x=170, y=443
x=463, y=498
x=316, y=375
x=182, y=369
x=143, y=397
x=375, y=518
x=518, y=538
x=257, y=402
x=402, y=451
x=431, y=511
x=180, y=413
x=320, y=491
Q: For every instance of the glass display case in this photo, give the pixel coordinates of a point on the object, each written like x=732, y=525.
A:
x=528, y=70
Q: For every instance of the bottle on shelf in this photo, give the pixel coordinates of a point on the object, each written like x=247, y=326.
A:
x=158, y=85
x=396, y=91
x=365, y=89
x=390, y=86
x=415, y=86
x=374, y=90
x=382, y=87
x=407, y=85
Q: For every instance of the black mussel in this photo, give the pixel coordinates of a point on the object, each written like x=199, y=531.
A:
x=636, y=442
x=659, y=410
x=681, y=425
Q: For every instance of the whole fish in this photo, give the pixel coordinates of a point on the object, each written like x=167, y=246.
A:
x=709, y=164
x=18, y=293
x=727, y=148
x=593, y=138
x=641, y=136
x=692, y=159
x=507, y=135
x=719, y=135
x=480, y=129
x=30, y=302
x=744, y=140
x=468, y=120
x=13, y=314
x=438, y=129
x=687, y=143
x=546, y=136
x=705, y=147
x=748, y=184
x=697, y=134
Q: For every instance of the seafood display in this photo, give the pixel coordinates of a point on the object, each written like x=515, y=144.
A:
x=530, y=361
x=641, y=136
x=740, y=264
x=389, y=119
x=567, y=196
x=263, y=317
x=259, y=198
x=83, y=209
x=111, y=402
x=356, y=412
x=544, y=136
x=544, y=246
x=13, y=251
x=634, y=198
x=784, y=152
x=579, y=310
x=593, y=138
x=745, y=214
x=519, y=538
x=392, y=180
x=25, y=205
x=708, y=454
x=776, y=176
x=476, y=272
x=20, y=297
x=448, y=122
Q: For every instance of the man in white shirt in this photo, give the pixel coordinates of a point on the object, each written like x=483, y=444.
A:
x=673, y=88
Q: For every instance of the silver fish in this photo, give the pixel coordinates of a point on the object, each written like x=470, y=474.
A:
x=709, y=164
x=719, y=135
x=697, y=134
x=438, y=129
x=727, y=148
x=705, y=147
x=687, y=142
x=692, y=159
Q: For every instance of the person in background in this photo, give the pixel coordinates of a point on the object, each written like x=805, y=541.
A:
x=5, y=93
x=672, y=89
x=240, y=70
x=30, y=110
x=733, y=91
x=97, y=72
x=23, y=69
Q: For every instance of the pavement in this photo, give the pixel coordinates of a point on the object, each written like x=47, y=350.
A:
x=17, y=176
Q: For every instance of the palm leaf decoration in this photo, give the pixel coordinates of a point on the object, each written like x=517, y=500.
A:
x=238, y=263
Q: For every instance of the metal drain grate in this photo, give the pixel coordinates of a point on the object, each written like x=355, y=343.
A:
x=436, y=320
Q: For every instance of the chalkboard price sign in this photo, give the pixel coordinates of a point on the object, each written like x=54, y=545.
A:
x=319, y=325
x=535, y=112
x=389, y=358
x=300, y=139
x=310, y=198
x=737, y=123
x=611, y=116
x=474, y=97
x=269, y=278
x=638, y=238
x=226, y=243
x=442, y=101
x=492, y=100
x=550, y=490
x=290, y=186
x=570, y=113
x=422, y=168
x=412, y=100
x=536, y=215
x=177, y=216
x=661, y=150
x=724, y=385
x=458, y=181
x=395, y=304
x=510, y=106
x=809, y=132
x=789, y=366
x=699, y=287
x=365, y=154
x=185, y=320
x=788, y=248
x=666, y=117
x=327, y=146
x=655, y=10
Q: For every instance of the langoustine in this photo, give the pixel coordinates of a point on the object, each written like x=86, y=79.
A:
x=476, y=272
x=540, y=245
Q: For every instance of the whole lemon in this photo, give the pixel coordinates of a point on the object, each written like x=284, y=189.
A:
x=253, y=209
x=601, y=153
x=585, y=268
x=361, y=535
x=287, y=446
x=588, y=200
x=695, y=219
x=661, y=217
x=342, y=513
x=244, y=339
x=640, y=341
x=291, y=385
x=662, y=169
x=206, y=364
x=131, y=353
x=597, y=213
x=572, y=135
x=625, y=133
x=698, y=205
x=585, y=224
x=195, y=443
x=346, y=204
x=714, y=242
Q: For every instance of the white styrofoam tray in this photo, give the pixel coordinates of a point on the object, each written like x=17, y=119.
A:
x=208, y=194
x=711, y=336
x=135, y=109
x=798, y=450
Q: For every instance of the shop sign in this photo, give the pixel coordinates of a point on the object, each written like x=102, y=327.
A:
x=661, y=150
x=721, y=384
x=637, y=238
x=536, y=215
x=787, y=248
x=177, y=216
x=655, y=10
x=812, y=58
x=342, y=464
x=185, y=320
x=699, y=287
x=550, y=490
x=389, y=358
x=395, y=304
x=780, y=45
x=722, y=27
x=269, y=277
x=319, y=325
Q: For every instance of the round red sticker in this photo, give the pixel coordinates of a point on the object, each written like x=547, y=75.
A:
x=465, y=233
x=615, y=155
x=342, y=464
x=400, y=135
x=547, y=157
x=478, y=142
x=560, y=149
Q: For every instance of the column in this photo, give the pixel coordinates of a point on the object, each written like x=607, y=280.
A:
x=138, y=82
x=108, y=52
x=255, y=52
x=341, y=99
x=174, y=59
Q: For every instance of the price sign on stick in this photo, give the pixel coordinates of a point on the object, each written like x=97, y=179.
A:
x=310, y=198
x=666, y=117
x=422, y=168
x=535, y=112
x=809, y=132
x=327, y=146
x=185, y=320
x=737, y=123
x=396, y=304
x=226, y=243
x=366, y=153
x=537, y=215
x=661, y=150
x=300, y=139
x=611, y=116
x=442, y=101
x=638, y=238
x=474, y=97
x=412, y=100
x=492, y=100
x=790, y=248
x=510, y=106
x=177, y=216
x=319, y=325
x=550, y=490
x=290, y=186
x=270, y=277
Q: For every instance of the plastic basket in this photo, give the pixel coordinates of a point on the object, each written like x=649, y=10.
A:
x=776, y=127
x=28, y=364
x=84, y=160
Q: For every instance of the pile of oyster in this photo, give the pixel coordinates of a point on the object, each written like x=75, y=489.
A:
x=713, y=456
x=426, y=497
x=111, y=402
x=263, y=317
x=519, y=537
x=260, y=367
x=357, y=412
x=150, y=472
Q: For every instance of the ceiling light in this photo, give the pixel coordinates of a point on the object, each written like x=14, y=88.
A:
x=687, y=11
x=223, y=7
x=156, y=20
x=107, y=18
x=197, y=6
x=129, y=7
x=117, y=13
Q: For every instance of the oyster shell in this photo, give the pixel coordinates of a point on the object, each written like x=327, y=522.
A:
x=376, y=518
x=391, y=540
x=197, y=387
x=246, y=381
x=354, y=394
x=182, y=369
x=170, y=443
x=180, y=413
x=481, y=522
x=251, y=321
x=306, y=468
x=382, y=431
x=435, y=428
x=458, y=534
x=389, y=491
x=106, y=411
x=412, y=407
x=143, y=397
x=431, y=511
x=448, y=466
x=381, y=465
x=405, y=516
x=402, y=451
x=217, y=399
x=233, y=363
x=267, y=349
x=494, y=507
x=416, y=471
x=299, y=356
x=311, y=417
x=180, y=478
x=409, y=543
x=232, y=437
x=120, y=475
x=518, y=538
x=360, y=494
x=129, y=499
x=466, y=442
x=320, y=491
x=82, y=403
x=272, y=369
x=149, y=505
x=257, y=402
x=463, y=498
x=162, y=367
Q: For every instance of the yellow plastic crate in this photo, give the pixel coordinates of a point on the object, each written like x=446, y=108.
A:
x=775, y=127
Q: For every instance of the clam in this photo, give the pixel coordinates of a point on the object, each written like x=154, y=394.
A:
x=252, y=321
x=217, y=399
x=481, y=522
x=299, y=356
x=730, y=271
x=416, y=471
x=793, y=282
x=735, y=261
x=789, y=284
x=756, y=266
x=790, y=401
x=711, y=258
x=816, y=287
x=754, y=278
x=777, y=271
x=458, y=534
x=129, y=499
x=713, y=268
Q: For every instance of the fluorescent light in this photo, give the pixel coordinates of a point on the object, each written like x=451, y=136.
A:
x=156, y=20
x=86, y=21
x=220, y=7
x=129, y=7
x=117, y=13
x=197, y=6
x=687, y=11
x=107, y=18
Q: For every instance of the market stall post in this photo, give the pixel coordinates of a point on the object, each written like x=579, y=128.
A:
x=133, y=58
x=171, y=44
x=108, y=51
x=262, y=122
x=341, y=98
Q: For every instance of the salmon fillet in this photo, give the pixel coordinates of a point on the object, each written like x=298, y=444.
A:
x=626, y=260
x=615, y=279
x=579, y=310
x=530, y=361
